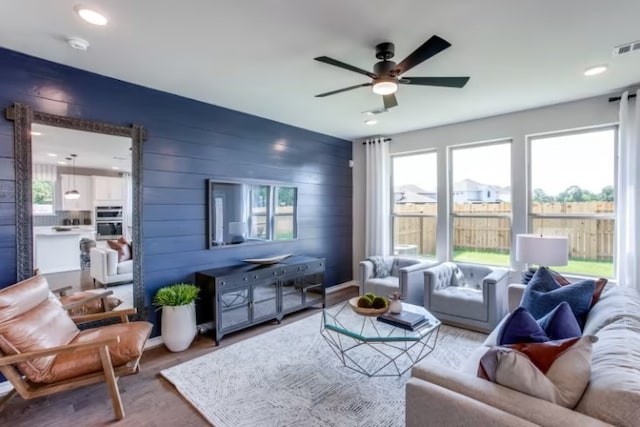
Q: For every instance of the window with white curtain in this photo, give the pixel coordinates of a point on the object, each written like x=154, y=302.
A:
x=572, y=182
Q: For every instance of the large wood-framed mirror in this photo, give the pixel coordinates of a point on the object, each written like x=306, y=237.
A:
x=78, y=190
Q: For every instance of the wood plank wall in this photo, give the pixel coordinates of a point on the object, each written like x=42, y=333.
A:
x=189, y=142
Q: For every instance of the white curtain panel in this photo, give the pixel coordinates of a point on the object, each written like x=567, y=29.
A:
x=627, y=193
x=377, y=194
x=45, y=172
x=127, y=207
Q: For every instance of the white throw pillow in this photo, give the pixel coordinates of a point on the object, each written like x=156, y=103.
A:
x=556, y=371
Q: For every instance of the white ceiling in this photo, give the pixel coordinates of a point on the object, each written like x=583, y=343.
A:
x=93, y=150
x=257, y=56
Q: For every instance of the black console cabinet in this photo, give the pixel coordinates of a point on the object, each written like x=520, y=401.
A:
x=240, y=296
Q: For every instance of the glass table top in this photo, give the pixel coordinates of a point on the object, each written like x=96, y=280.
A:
x=343, y=319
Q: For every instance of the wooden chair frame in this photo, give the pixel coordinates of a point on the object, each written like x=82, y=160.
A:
x=28, y=390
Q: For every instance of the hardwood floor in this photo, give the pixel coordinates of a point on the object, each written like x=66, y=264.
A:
x=148, y=399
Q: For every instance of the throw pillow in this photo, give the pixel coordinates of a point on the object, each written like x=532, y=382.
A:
x=600, y=284
x=560, y=323
x=556, y=371
x=122, y=249
x=521, y=327
x=124, y=241
x=381, y=268
x=458, y=278
x=91, y=307
x=543, y=294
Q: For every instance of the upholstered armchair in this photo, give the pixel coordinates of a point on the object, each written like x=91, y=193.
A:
x=468, y=295
x=106, y=269
x=405, y=276
x=42, y=351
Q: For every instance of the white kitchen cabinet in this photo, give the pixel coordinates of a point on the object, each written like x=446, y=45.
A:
x=83, y=184
x=107, y=189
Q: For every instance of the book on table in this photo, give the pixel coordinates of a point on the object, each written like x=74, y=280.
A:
x=404, y=319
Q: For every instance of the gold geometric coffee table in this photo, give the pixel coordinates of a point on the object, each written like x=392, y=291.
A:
x=374, y=348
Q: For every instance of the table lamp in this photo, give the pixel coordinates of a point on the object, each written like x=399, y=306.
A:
x=542, y=250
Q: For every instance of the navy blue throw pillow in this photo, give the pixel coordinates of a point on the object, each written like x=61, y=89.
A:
x=521, y=327
x=560, y=323
x=543, y=294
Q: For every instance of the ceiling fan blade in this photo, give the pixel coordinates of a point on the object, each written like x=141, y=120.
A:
x=431, y=47
x=340, y=64
x=436, y=81
x=333, y=92
x=390, y=100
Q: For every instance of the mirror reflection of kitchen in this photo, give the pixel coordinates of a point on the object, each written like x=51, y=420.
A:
x=82, y=211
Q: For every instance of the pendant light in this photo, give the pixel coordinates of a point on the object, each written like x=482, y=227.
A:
x=72, y=194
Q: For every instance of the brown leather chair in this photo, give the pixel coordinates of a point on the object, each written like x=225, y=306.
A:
x=42, y=351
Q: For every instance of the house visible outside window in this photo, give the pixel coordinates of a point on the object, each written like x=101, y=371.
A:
x=481, y=226
x=414, y=206
x=572, y=181
x=43, y=189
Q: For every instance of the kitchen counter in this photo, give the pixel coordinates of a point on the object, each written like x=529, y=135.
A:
x=57, y=251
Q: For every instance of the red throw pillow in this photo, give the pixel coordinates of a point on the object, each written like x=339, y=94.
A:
x=122, y=248
x=122, y=240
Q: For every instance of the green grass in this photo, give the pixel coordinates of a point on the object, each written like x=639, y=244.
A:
x=576, y=266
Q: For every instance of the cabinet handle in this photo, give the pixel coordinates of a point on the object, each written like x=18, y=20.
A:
x=255, y=277
x=274, y=273
x=245, y=278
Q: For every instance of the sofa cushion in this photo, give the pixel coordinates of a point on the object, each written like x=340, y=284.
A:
x=556, y=371
x=613, y=394
x=521, y=327
x=460, y=301
x=543, y=294
x=385, y=286
x=125, y=267
x=616, y=302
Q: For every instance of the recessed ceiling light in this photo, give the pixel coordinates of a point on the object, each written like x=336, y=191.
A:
x=33, y=133
x=62, y=163
x=371, y=122
x=52, y=155
x=115, y=168
x=598, y=69
x=91, y=16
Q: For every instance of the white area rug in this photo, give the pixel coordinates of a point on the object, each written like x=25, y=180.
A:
x=291, y=377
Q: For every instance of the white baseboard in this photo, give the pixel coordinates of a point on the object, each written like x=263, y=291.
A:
x=153, y=342
x=5, y=387
x=342, y=286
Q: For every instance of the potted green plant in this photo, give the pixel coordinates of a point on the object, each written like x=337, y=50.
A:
x=178, y=324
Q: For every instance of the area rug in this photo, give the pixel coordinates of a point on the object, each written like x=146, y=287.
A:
x=290, y=377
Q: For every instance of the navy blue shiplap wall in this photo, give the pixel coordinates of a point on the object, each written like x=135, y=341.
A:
x=189, y=142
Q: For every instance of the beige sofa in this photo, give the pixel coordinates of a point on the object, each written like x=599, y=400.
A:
x=106, y=269
x=438, y=395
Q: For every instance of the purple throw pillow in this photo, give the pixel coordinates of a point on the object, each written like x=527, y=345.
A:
x=521, y=327
x=561, y=323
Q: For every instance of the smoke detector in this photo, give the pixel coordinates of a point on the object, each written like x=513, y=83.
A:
x=78, y=43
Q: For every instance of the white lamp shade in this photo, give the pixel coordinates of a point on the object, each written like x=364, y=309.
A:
x=542, y=250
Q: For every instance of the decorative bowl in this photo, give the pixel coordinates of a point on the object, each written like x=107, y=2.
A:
x=353, y=302
x=266, y=261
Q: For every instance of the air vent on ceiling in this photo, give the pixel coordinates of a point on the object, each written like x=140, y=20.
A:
x=627, y=48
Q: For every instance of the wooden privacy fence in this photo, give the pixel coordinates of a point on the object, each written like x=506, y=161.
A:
x=589, y=238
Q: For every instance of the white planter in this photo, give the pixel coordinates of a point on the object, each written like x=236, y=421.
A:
x=178, y=326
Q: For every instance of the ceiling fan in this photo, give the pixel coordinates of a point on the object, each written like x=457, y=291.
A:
x=387, y=74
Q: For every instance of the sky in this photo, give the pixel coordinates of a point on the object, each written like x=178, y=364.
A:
x=555, y=164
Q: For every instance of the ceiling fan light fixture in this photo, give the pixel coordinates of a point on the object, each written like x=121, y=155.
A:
x=385, y=87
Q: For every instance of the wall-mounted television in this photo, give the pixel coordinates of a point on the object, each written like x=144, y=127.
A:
x=248, y=212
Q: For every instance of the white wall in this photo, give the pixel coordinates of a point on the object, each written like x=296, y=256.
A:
x=515, y=126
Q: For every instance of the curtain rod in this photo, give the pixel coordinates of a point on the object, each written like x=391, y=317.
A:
x=384, y=140
x=618, y=98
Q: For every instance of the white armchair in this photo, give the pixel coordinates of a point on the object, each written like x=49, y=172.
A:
x=406, y=277
x=106, y=269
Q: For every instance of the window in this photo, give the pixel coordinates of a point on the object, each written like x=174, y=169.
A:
x=284, y=213
x=572, y=194
x=43, y=196
x=414, y=184
x=481, y=203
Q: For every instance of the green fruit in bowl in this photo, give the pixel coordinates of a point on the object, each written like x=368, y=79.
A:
x=370, y=295
x=380, y=302
x=365, y=302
